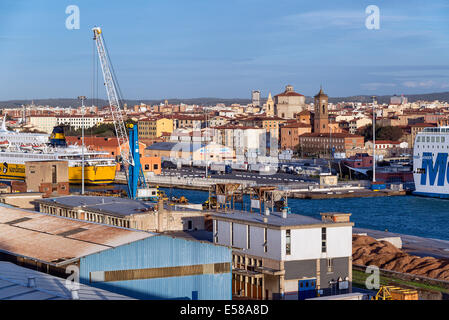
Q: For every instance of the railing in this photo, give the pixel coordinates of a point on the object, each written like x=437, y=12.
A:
x=187, y=181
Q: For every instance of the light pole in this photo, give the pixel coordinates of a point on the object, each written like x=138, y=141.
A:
x=374, y=139
x=206, y=141
x=82, y=98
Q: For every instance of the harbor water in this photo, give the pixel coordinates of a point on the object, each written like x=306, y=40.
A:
x=423, y=217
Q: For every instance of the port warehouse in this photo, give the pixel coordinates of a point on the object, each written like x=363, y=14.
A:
x=124, y=212
x=133, y=263
x=18, y=283
x=287, y=256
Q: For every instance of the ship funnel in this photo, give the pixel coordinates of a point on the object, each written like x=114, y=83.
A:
x=57, y=138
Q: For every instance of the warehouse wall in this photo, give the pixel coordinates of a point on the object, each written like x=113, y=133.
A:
x=142, y=260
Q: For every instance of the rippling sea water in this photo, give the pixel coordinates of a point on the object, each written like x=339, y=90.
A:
x=410, y=215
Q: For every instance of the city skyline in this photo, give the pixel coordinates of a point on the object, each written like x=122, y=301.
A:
x=199, y=49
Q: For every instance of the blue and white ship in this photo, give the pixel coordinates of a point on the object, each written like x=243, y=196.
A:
x=430, y=163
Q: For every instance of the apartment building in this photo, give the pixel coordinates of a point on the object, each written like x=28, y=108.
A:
x=153, y=128
x=325, y=143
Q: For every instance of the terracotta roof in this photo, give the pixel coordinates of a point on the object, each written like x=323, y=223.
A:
x=386, y=142
x=230, y=127
x=327, y=135
x=95, y=141
x=289, y=94
x=423, y=125
x=296, y=125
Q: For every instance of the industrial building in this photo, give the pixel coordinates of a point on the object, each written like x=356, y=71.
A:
x=18, y=283
x=287, y=256
x=48, y=177
x=124, y=212
x=129, y=262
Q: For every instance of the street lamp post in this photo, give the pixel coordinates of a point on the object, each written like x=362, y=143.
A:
x=82, y=98
x=374, y=139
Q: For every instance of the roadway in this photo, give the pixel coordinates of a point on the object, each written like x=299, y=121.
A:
x=277, y=178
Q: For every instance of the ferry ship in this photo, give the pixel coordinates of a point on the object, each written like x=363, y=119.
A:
x=430, y=163
x=18, y=148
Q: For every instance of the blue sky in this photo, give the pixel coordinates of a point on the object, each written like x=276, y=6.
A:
x=210, y=48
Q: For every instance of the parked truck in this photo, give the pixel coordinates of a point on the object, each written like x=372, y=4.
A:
x=220, y=169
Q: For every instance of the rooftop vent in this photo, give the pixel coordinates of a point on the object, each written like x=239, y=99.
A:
x=31, y=282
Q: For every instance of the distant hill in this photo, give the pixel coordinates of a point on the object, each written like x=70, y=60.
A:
x=441, y=96
x=100, y=102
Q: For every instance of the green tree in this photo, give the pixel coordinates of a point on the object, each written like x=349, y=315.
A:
x=382, y=133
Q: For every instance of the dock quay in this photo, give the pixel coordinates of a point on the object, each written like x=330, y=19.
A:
x=337, y=194
x=295, y=191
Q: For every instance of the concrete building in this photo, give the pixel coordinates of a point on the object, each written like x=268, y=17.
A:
x=51, y=178
x=290, y=134
x=270, y=124
x=152, y=128
x=289, y=103
x=133, y=263
x=274, y=255
x=255, y=98
x=248, y=141
x=43, y=123
x=317, y=144
x=78, y=122
x=125, y=213
x=188, y=152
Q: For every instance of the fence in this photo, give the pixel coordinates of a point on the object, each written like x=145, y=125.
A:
x=181, y=181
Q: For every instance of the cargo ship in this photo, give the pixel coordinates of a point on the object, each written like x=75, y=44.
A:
x=18, y=148
x=430, y=163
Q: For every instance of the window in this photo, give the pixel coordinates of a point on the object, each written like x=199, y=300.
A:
x=216, y=231
x=265, y=241
x=288, y=242
x=323, y=240
x=53, y=174
x=248, y=237
x=190, y=225
x=330, y=265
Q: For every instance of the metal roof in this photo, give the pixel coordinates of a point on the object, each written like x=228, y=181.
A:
x=53, y=240
x=274, y=219
x=107, y=205
x=176, y=146
x=14, y=286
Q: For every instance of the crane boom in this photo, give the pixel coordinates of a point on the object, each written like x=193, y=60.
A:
x=114, y=102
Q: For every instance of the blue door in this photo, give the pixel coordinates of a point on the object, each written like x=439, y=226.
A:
x=306, y=289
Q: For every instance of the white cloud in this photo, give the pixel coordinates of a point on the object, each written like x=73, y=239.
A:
x=377, y=85
x=419, y=84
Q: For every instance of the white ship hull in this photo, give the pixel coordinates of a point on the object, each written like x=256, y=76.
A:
x=431, y=163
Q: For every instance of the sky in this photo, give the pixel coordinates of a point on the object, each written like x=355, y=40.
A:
x=225, y=49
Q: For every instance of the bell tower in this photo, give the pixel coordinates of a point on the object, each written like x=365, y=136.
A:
x=321, y=122
x=269, y=107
